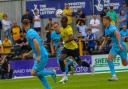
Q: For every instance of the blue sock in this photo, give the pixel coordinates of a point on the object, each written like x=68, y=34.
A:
x=45, y=73
x=67, y=66
x=44, y=82
x=111, y=66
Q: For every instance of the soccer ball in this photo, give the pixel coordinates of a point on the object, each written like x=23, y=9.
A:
x=59, y=13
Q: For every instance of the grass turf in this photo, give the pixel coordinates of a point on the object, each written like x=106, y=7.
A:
x=97, y=81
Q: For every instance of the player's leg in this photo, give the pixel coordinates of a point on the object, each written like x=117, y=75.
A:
x=61, y=63
x=38, y=70
x=63, y=56
x=68, y=65
x=123, y=55
x=111, y=56
x=42, y=79
x=44, y=72
x=75, y=54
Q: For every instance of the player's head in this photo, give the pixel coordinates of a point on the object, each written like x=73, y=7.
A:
x=6, y=38
x=124, y=27
x=26, y=24
x=14, y=23
x=105, y=9
x=79, y=11
x=111, y=8
x=94, y=16
x=56, y=26
x=36, y=12
x=50, y=20
x=67, y=6
x=89, y=30
x=122, y=12
x=5, y=16
x=64, y=21
x=82, y=22
x=106, y=21
x=27, y=12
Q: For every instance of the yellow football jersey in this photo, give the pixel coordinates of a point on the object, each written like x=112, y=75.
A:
x=65, y=32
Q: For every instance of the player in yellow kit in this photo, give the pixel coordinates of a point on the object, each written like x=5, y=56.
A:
x=70, y=46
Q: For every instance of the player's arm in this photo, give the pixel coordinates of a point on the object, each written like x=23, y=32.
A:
x=2, y=49
x=105, y=40
x=29, y=53
x=9, y=67
x=70, y=38
x=37, y=47
x=117, y=34
x=60, y=43
x=26, y=54
x=52, y=47
x=70, y=35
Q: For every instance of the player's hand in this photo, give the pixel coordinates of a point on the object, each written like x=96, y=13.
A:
x=38, y=59
x=24, y=55
x=59, y=44
x=53, y=52
x=100, y=48
x=121, y=47
x=8, y=70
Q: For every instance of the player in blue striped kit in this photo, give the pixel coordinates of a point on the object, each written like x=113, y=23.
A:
x=40, y=54
x=118, y=46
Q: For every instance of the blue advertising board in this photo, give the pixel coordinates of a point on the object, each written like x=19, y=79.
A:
x=22, y=68
x=48, y=8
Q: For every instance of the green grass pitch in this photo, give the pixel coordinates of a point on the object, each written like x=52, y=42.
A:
x=97, y=81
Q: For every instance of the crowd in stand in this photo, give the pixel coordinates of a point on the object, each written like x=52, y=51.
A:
x=13, y=36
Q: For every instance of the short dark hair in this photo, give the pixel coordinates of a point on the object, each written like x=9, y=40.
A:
x=5, y=15
x=27, y=10
x=105, y=8
x=26, y=22
x=89, y=29
x=36, y=10
x=64, y=18
x=56, y=23
x=50, y=19
x=111, y=7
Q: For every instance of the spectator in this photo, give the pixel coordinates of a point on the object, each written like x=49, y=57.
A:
x=6, y=24
x=122, y=19
x=104, y=13
x=16, y=32
x=80, y=16
x=68, y=12
x=95, y=26
x=27, y=16
x=91, y=41
x=5, y=69
x=7, y=45
x=1, y=47
x=37, y=22
x=113, y=15
x=82, y=28
x=23, y=46
x=49, y=29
